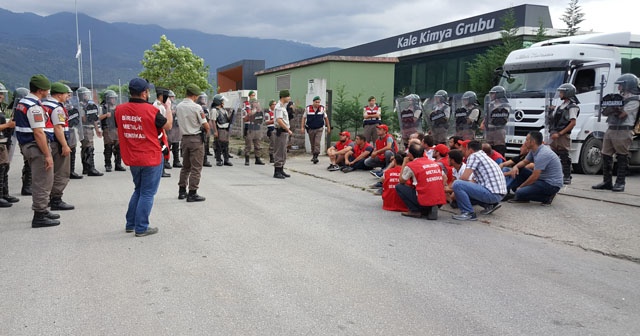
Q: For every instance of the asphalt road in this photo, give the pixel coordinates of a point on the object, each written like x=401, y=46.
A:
x=304, y=256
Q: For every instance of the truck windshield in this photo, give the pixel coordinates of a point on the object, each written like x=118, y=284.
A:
x=532, y=84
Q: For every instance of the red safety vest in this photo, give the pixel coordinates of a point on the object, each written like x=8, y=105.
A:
x=357, y=150
x=381, y=143
x=445, y=162
x=138, y=135
x=429, y=189
x=372, y=111
x=391, y=201
x=341, y=145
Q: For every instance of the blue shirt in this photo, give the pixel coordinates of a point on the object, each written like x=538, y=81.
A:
x=548, y=163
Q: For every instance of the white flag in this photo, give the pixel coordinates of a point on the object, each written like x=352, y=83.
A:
x=79, y=52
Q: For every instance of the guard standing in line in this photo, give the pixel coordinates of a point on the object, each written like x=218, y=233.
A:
x=246, y=107
x=174, y=135
x=193, y=123
x=439, y=116
x=110, y=132
x=18, y=94
x=314, y=121
x=560, y=123
x=494, y=125
x=619, y=136
x=269, y=120
x=221, y=126
x=60, y=150
x=372, y=118
x=89, y=112
x=31, y=121
x=7, y=127
x=75, y=135
x=283, y=131
x=254, y=116
x=467, y=116
x=202, y=101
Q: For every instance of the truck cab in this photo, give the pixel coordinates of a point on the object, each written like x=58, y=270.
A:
x=592, y=63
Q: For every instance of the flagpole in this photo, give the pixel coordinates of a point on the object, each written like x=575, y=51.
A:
x=90, y=63
x=79, y=51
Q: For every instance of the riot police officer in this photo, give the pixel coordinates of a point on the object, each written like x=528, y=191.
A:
x=7, y=127
x=202, y=101
x=89, y=112
x=467, y=116
x=560, y=123
x=494, y=125
x=174, y=135
x=619, y=135
x=76, y=134
x=439, y=116
x=253, y=118
x=18, y=94
x=110, y=132
x=221, y=128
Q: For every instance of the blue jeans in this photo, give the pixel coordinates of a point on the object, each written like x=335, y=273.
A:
x=508, y=179
x=410, y=199
x=538, y=191
x=469, y=193
x=373, y=162
x=146, y=181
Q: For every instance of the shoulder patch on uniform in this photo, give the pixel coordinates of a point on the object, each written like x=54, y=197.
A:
x=37, y=117
x=202, y=115
x=61, y=117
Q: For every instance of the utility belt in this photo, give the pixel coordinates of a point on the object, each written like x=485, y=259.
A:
x=191, y=135
x=280, y=131
x=620, y=128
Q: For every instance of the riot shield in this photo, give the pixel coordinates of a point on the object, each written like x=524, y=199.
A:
x=256, y=119
x=75, y=122
x=466, y=117
x=109, y=128
x=499, y=123
x=437, y=115
x=409, y=110
x=551, y=103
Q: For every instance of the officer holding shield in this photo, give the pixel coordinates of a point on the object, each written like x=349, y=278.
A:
x=494, y=125
x=466, y=116
x=560, y=122
x=7, y=127
x=439, y=116
x=110, y=132
x=89, y=112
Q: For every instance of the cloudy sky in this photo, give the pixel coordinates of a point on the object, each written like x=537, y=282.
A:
x=327, y=23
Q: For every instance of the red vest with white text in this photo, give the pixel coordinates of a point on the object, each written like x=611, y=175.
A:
x=430, y=189
x=138, y=135
x=391, y=201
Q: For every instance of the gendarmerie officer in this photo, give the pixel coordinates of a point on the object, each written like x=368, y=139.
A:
x=31, y=123
x=314, y=121
x=283, y=131
x=221, y=127
x=89, y=112
x=494, y=125
x=439, y=117
x=193, y=122
x=618, y=137
x=561, y=122
x=110, y=132
x=60, y=150
x=7, y=127
x=254, y=116
x=467, y=116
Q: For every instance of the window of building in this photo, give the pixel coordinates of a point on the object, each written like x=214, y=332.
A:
x=283, y=82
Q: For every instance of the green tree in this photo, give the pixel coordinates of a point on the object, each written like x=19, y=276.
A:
x=340, y=118
x=121, y=91
x=389, y=117
x=572, y=17
x=541, y=32
x=174, y=68
x=482, y=71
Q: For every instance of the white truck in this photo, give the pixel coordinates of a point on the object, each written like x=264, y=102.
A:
x=592, y=63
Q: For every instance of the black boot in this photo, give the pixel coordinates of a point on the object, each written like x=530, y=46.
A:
x=26, y=179
x=194, y=197
x=259, y=162
x=283, y=173
x=225, y=154
x=565, y=160
x=84, y=158
x=117, y=158
x=175, y=150
x=182, y=193
x=108, y=151
x=205, y=162
x=271, y=158
x=277, y=173
x=314, y=159
x=246, y=159
x=57, y=203
x=607, y=165
x=72, y=174
x=621, y=175
x=165, y=174
x=217, y=151
x=40, y=219
x=4, y=203
x=4, y=184
x=92, y=167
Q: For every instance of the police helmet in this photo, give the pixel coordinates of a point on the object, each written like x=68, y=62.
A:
x=568, y=90
x=628, y=83
x=171, y=94
x=217, y=100
x=110, y=94
x=84, y=94
x=202, y=99
x=3, y=89
x=443, y=95
x=498, y=91
x=20, y=93
x=470, y=97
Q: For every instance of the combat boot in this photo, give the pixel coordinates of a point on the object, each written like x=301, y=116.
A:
x=607, y=165
x=621, y=175
x=277, y=173
x=246, y=160
x=108, y=151
x=314, y=159
x=117, y=158
x=283, y=173
x=4, y=185
x=205, y=162
x=271, y=160
x=565, y=160
x=175, y=150
x=259, y=161
x=26, y=180
x=85, y=161
x=40, y=220
x=92, y=171
x=225, y=154
x=194, y=197
x=57, y=203
x=182, y=193
x=72, y=174
x=4, y=203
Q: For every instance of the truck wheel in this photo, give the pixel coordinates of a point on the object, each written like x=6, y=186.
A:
x=590, y=161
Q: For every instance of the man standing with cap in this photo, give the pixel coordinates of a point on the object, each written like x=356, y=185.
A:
x=193, y=122
x=139, y=128
x=31, y=123
x=60, y=150
x=372, y=118
x=314, y=120
x=283, y=131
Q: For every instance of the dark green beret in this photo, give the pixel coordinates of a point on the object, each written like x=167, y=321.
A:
x=316, y=98
x=284, y=93
x=58, y=87
x=193, y=90
x=41, y=82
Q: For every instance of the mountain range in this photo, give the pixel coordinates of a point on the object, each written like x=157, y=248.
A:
x=47, y=44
